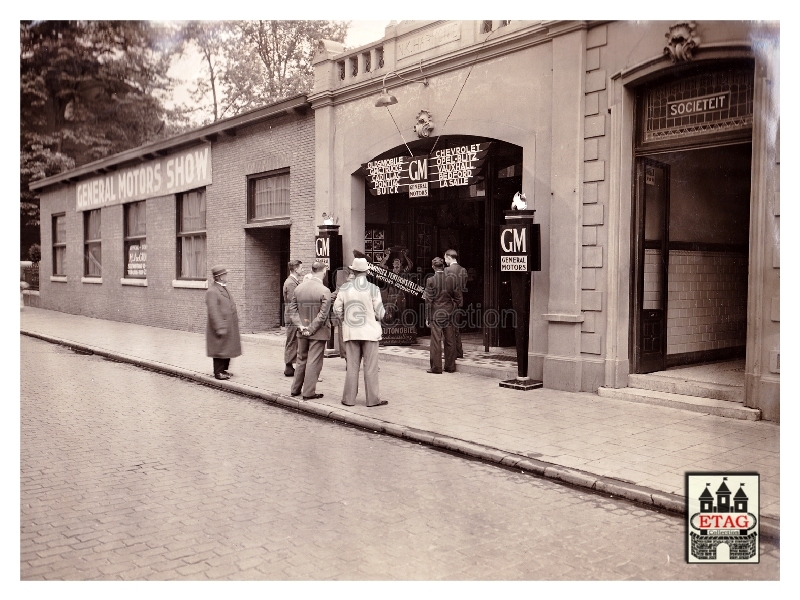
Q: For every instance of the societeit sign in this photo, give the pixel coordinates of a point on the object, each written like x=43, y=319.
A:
x=179, y=172
x=701, y=105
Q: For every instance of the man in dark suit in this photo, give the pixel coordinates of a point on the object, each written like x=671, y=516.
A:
x=290, y=347
x=222, y=329
x=442, y=297
x=308, y=310
x=453, y=269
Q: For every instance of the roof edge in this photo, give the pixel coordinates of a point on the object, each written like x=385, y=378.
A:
x=295, y=105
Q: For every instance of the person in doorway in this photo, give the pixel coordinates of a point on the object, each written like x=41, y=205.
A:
x=290, y=348
x=309, y=309
x=222, y=329
x=453, y=269
x=442, y=297
x=359, y=308
x=396, y=298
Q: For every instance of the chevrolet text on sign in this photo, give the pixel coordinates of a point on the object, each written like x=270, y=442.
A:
x=179, y=172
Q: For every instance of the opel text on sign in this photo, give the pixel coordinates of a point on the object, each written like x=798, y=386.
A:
x=179, y=172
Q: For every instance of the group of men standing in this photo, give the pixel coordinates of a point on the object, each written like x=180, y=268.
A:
x=311, y=309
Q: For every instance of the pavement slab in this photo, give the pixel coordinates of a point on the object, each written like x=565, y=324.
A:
x=567, y=429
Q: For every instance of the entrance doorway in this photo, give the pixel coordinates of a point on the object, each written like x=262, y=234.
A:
x=692, y=232
x=415, y=230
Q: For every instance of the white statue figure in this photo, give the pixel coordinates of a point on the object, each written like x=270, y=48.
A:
x=328, y=219
x=520, y=202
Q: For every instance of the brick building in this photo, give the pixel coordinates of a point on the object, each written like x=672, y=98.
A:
x=649, y=150
x=245, y=199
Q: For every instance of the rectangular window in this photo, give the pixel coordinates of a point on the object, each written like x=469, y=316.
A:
x=268, y=196
x=136, y=240
x=92, y=254
x=59, y=244
x=192, y=235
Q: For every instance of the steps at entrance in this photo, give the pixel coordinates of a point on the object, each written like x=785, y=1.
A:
x=676, y=385
x=710, y=406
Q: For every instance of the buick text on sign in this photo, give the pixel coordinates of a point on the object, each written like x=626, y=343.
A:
x=179, y=172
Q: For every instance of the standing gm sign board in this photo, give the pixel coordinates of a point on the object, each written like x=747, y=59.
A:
x=520, y=248
x=328, y=250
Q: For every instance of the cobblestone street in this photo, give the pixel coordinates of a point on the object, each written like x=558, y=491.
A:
x=169, y=479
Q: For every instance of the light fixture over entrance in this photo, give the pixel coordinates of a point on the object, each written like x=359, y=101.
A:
x=387, y=99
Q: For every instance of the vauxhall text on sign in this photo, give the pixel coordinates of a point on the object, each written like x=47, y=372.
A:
x=416, y=175
x=519, y=248
x=171, y=174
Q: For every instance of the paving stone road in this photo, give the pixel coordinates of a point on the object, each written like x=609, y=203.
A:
x=174, y=480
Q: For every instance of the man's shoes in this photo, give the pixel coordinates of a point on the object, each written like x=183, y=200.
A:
x=381, y=403
x=459, y=356
x=222, y=376
x=346, y=404
x=289, y=371
x=295, y=395
x=228, y=373
x=434, y=371
x=449, y=370
x=314, y=397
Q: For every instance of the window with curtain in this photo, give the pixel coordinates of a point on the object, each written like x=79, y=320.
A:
x=268, y=196
x=192, y=235
x=136, y=240
x=59, y=244
x=92, y=252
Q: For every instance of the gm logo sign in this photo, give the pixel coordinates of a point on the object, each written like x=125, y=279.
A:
x=520, y=248
x=323, y=246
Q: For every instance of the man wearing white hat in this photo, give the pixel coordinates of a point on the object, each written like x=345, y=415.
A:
x=359, y=309
x=222, y=329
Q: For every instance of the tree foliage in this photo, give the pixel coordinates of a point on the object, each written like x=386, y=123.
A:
x=87, y=89
x=248, y=64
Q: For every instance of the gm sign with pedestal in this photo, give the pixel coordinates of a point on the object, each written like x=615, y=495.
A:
x=520, y=245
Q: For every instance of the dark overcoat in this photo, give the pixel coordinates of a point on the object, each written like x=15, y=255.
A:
x=442, y=297
x=222, y=329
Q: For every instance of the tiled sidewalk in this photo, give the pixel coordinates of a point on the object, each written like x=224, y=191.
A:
x=650, y=446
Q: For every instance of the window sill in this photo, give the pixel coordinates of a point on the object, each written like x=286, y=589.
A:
x=134, y=282
x=30, y=292
x=190, y=284
x=273, y=222
x=61, y=278
x=91, y=280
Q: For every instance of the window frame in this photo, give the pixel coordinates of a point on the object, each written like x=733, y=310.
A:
x=59, y=245
x=126, y=239
x=180, y=234
x=251, y=205
x=92, y=242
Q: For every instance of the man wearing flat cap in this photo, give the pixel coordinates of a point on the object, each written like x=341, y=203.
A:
x=222, y=329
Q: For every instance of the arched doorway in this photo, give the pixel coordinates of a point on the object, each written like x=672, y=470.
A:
x=407, y=227
x=691, y=216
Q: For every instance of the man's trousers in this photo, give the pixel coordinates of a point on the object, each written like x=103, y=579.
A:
x=438, y=333
x=290, y=349
x=356, y=349
x=310, y=354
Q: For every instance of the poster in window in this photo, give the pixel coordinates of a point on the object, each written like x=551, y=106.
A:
x=137, y=260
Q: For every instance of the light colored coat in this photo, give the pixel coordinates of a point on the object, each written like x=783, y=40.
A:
x=359, y=308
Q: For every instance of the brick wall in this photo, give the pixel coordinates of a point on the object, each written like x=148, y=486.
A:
x=279, y=143
x=706, y=301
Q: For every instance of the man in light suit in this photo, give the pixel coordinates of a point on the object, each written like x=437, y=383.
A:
x=359, y=308
x=309, y=308
x=442, y=297
x=453, y=269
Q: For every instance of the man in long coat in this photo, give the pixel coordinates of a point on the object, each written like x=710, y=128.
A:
x=309, y=309
x=359, y=308
x=222, y=330
x=453, y=269
x=290, y=347
x=442, y=298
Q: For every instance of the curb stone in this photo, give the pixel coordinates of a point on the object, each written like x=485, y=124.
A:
x=770, y=528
